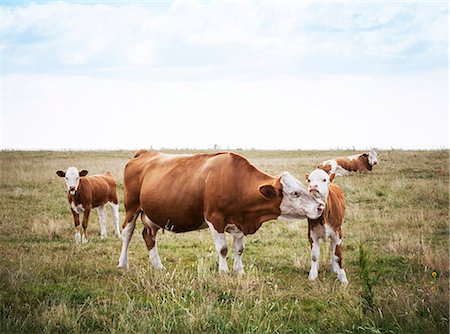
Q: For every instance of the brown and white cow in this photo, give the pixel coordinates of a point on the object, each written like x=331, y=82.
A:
x=362, y=163
x=88, y=192
x=222, y=191
x=329, y=224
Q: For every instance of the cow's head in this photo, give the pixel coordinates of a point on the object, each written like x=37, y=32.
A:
x=72, y=177
x=373, y=157
x=297, y=203
x=318, y=183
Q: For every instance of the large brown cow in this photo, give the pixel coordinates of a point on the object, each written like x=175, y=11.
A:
x=88, y=192
x=222, y=191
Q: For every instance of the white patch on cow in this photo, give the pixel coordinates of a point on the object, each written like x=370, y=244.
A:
x=297, y=203
x=154, y=258
x=84, y=238
x=315, y=254
x=127, y=233
x=221, y=244
x=318, y=183
x=76, y=208
x=102, y=219
x=331, y=163
x=77, y=237
x=115, y=214
x=342, y=277
x=339, y=171
x=373, y=157
x=238, y=247
x=153, y=253
x=72, y=179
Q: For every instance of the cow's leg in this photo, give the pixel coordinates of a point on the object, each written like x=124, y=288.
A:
x=336, y=257
x=76, y=219
x=127, y=233
x=86, y=213
x=238, y=248
x=102, y=219
x=221, y=247
x=149, y=235
x=314, y=240
x=115, y=214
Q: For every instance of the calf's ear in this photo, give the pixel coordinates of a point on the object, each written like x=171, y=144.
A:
x=83, y=172
x=268, y=191
x=332, y=175
x=60, y=173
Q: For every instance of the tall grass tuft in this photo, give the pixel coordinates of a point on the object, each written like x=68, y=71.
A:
x=368, y=279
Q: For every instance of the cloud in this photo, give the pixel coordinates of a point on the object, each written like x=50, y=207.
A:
x=277, y=38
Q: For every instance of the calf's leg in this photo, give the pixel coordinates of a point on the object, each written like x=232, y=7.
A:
x=336, y=257
x=86, y=213
x=315, y=252
x=102, y=219
x=115, y=214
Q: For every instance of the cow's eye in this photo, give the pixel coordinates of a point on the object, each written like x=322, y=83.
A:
x=324, y=180
x=308, y=180
x=67, y=178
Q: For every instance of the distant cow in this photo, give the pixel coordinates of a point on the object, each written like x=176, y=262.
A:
x=329, y=224
x=362, y=163
x=222, y=191
x=87, y=192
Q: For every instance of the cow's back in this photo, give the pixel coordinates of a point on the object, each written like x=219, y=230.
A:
x=101, y=189
x=177, y=191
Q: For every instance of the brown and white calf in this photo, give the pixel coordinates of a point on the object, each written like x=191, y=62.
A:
x=362, y=163
x=329, y=224
x=223, y=192
x=88, y=192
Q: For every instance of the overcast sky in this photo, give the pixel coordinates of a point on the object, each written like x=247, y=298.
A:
x=237, y=74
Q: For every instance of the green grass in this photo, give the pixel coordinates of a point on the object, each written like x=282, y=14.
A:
x=399, y=214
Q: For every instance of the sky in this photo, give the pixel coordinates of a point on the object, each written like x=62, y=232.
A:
x=228, y=74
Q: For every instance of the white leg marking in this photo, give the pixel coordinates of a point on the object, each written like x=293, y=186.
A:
x=154, y=258
x=315, y=253
x=127, y=233
x=102, y=219
x=77, y=235
x=84, y=238
x=115, y=214
x=221, y=247
x=342, y=277
x=238, y=248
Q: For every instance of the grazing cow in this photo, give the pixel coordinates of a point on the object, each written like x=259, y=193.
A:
x=329, y=224
x=222, y=191
x=88, y=192
x=362, y=163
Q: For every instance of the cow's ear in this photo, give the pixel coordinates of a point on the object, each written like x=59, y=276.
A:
x=268, y=191
x=364, y=155
x=332, y=175
x=60, y=173
x=83, y=172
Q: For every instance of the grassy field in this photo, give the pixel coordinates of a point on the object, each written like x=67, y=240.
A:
x=396, y=247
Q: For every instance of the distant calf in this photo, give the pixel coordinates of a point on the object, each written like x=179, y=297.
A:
x=88, y=192
x=362, y=163
x=329, y=224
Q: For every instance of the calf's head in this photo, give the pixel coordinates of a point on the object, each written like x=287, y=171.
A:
x=318, y=184
x=297, y=203
x=72, y=177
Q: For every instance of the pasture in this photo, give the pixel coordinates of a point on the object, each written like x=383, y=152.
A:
x=396, y=247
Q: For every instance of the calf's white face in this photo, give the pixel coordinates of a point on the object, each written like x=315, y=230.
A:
x=318, y=183
x=373, y=157
x=297, y=203
x=72, y=177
